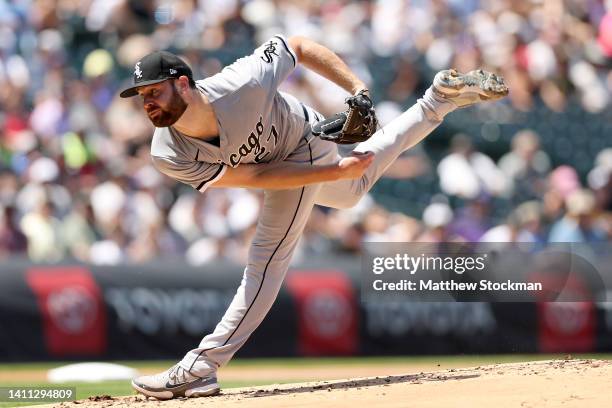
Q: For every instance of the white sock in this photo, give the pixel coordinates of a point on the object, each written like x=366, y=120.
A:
x=436, y=105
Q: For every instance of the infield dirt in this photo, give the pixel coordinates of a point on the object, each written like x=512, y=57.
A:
x=552, y=383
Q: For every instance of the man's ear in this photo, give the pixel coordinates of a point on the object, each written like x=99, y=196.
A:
x=182, y=85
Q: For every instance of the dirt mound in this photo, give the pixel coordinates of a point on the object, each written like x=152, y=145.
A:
x=571, y=383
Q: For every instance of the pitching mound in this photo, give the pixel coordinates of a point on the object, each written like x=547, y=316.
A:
x=567, y=383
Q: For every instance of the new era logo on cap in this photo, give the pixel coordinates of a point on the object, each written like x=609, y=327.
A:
x=157, y=67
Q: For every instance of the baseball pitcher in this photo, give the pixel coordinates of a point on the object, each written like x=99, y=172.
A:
x=236, y=129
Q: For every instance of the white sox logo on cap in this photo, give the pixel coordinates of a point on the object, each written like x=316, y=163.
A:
x=156, y=67
x=137, y=70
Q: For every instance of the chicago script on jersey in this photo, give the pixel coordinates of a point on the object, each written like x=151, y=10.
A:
x=253, y=145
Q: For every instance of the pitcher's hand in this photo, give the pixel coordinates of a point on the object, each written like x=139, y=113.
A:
x=355, y=165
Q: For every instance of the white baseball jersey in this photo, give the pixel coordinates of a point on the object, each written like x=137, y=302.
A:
x=257, y=123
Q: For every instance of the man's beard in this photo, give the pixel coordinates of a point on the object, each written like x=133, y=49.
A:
x=169, y=115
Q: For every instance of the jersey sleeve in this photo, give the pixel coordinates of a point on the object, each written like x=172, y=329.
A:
x=267, y=67
x=275, y=61
x=199, y=175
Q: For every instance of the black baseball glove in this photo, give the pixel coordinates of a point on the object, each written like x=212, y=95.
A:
x=354, y=125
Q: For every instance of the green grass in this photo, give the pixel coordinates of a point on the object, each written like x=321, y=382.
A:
x=327, y=361
x=118, y=388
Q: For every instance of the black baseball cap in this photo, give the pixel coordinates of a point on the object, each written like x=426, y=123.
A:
x=157, y=67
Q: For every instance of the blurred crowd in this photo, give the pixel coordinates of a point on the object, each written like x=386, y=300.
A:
x=76, y=180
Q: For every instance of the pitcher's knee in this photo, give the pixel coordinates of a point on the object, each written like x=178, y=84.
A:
x=359, y=188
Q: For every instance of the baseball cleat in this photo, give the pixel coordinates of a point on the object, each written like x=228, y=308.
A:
x=467, y=89
x=174, y=383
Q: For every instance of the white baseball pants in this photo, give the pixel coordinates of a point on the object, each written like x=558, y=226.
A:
x=283, y=217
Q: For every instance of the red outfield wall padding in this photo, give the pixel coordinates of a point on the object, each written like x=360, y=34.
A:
x=72, y=310
x=327, y=312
